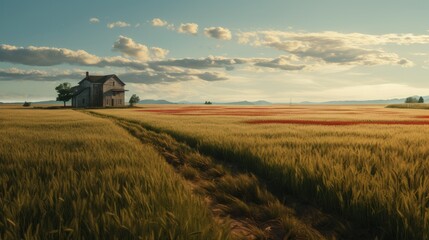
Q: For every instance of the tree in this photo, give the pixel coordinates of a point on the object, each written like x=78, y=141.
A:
x=134, y=99
x=411, y=100
x=421, y=100
x=65, y=93
x=26, y=104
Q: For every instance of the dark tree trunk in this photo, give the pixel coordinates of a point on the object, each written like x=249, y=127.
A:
x=64, y=103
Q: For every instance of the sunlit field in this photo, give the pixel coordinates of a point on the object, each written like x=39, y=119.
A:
x=67, y=175
x=368, y=164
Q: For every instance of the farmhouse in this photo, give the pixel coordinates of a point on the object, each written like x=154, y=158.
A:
x=99, y=91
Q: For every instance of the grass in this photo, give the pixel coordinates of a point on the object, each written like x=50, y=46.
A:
x=67, y=175
x=373, y=175
x=409, y=105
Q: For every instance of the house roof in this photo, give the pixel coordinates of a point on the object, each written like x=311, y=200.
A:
x=76, y=90
x=101, y=79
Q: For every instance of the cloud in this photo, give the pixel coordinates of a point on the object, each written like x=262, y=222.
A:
x=118, y=24
x=45, y=56
x=168, y=75
x=147, y=58
x=157, y=22
x=189, y=28
x=204, y=63
x=282, y=63
x=158, y=53
x=334, y=47
x=212, y=76
x=171, y=27
x=94, y=20
x=287, y=63
x=218, y=33
x=130, y=48
x=148, y=76
x=37, y=75
x=48, y=56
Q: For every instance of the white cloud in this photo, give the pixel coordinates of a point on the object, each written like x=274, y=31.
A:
x=38, y=75
x=148, y=76
x=218, y=33
x=335, y=47
x=168, y=75
x=171, y=27
x=118, y=24
x=282, y=63
x=45, y=56
x=130, y=48
x=94, y=20
x=189, y=28
x=157, y=22
x=49, y=56
x=158, y=53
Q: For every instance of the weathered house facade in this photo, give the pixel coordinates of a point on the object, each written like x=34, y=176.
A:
x=99, y=91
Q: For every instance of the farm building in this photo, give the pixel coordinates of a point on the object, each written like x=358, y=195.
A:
x=99, y=91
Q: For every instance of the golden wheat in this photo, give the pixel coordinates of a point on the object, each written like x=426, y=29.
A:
x=375, y=175
x=67, y=175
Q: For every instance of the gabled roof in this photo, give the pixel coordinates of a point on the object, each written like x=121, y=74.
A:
x=76, y=90
x=101, y=79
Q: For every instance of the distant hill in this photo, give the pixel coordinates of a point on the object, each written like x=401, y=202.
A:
x=254, y=103
x=152, y=101
x=260, y=102
x=52, y=102
x=40, y=102
x=351, y=102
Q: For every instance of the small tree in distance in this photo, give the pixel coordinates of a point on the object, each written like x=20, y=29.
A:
x=421, y=100
x=65, y=92
x=411, y=100
x=134, y=99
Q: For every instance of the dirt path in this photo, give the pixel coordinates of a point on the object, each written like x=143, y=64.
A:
x=239, y=198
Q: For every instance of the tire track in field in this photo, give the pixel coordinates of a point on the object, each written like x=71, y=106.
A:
x=239, y=198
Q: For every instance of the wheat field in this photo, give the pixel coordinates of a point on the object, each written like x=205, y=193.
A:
x=67, y=175
x=368, y=164
x=70, y=174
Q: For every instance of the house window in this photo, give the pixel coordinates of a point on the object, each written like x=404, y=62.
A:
x=113, y=83
x=114, y=93
x=107, y=101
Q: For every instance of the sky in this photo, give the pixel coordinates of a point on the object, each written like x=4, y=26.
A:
x=219, y=51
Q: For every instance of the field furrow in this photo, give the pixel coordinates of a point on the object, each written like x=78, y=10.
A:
x=239, y=197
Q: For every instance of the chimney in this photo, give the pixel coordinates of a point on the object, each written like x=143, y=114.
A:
x=87, y=74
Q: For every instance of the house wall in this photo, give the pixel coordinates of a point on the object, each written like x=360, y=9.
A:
x=82, y=100
x=97, y=95
x=118, y=98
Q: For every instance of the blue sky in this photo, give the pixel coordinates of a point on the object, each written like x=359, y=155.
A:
x=218, y=50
